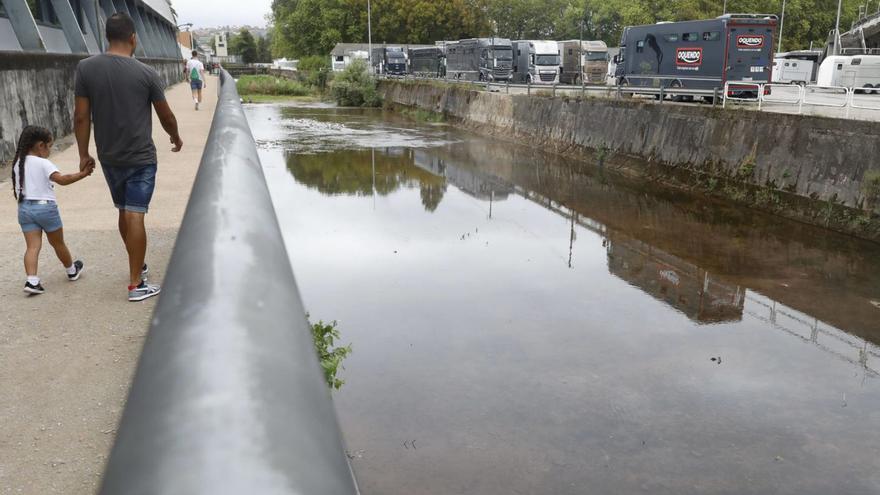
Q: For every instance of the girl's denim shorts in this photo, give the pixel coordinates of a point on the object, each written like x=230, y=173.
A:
x=39, y=215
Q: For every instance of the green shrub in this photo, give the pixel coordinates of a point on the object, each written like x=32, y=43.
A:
x=356, y=87
x=325, y=336
x=270, y=85
x=315, y=71
x=313, y=63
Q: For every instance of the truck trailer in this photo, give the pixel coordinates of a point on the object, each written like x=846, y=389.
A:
x=858, y=72
x=535, y=62
x=390, y=60
x=797, y=67
x=702, y=54
x=585, y=61
x=428, y=61
x=479, y=59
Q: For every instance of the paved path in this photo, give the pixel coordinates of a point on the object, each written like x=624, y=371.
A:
x=67, y=356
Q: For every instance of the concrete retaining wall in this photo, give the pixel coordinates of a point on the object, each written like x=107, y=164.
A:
x=820, y=170
x=38, y=89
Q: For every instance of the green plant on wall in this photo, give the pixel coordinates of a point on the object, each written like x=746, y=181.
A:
x=330, y=355
x=871, y=186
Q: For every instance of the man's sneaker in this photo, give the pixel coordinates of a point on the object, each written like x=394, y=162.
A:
x=79, y=269
x=143, y=291
x=197, y=105
x=33, y=289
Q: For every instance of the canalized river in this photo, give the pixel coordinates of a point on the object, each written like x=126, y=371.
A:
x=524, y=323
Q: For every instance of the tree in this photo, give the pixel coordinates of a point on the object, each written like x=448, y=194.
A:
x=264, y=53
x=243, y=44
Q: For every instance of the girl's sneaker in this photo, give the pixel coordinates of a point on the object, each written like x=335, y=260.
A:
x=33, y=289
x=143, y=291
x=79, y=269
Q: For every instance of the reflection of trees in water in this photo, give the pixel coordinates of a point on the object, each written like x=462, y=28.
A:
x=352, y=173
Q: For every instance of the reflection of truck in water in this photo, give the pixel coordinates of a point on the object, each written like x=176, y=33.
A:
x=798, y=67
x=427, y=61
x=479, y=59
x=684, y=286
x=858, y=72
x=535, y=62
x=389, y=60
x=583, y=61
x=699, y=54
x=469, y=179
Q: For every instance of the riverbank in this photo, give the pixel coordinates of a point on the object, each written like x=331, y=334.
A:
x=812, y=169
x=67, y=357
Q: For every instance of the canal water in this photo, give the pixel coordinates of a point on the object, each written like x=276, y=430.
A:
x=523, y=323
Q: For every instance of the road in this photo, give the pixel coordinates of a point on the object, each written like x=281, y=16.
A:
x=67, y=357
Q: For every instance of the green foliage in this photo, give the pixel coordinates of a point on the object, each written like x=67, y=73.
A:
x=315, y=70
x=270, y=85
x=871, y=185
x=264, y=51
x=244, y=44
x=313, y=27
x=330, y=355
x=356, y=87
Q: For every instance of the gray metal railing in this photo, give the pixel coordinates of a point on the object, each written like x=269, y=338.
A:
x=228, y=396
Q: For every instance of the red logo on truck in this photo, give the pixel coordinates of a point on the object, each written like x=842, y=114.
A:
x=750, y=41
x=689, y=56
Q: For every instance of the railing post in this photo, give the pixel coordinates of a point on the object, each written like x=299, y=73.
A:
x=528, y=87
x=553, y=91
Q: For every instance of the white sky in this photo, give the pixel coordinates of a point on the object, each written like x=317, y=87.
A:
x=211, y=13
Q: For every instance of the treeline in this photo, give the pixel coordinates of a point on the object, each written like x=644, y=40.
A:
x=253, y=49
x=313, y=27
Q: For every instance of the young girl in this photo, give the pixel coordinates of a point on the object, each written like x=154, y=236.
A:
x=32, y=178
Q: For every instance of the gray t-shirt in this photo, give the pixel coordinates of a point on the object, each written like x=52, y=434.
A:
x=121, y=91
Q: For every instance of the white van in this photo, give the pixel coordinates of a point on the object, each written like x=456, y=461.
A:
x=798, y=67
x=850, y=71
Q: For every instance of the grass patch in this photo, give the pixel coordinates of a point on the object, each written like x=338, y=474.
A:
x=271, y=85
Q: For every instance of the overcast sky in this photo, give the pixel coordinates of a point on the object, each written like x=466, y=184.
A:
x=210, y=13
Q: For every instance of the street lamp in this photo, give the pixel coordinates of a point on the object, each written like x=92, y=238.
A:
x=781, y=25
x=837, y=30
x=369, y=37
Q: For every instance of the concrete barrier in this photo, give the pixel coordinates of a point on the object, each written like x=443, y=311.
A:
x=37, y=89
x=820, y=170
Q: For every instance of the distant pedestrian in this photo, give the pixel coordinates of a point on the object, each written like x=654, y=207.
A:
x=195, y=74
x=115, y=91
x=32, y=178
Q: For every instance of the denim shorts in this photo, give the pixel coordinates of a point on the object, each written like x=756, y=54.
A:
x=39, y=215
x=195, y=84
x=131, y=187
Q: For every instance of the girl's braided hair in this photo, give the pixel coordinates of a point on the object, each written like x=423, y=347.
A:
x=30, y=136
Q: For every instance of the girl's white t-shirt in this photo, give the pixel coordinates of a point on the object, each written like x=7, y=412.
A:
x=37, y=185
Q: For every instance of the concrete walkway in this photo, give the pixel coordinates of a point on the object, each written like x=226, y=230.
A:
x=67, y=356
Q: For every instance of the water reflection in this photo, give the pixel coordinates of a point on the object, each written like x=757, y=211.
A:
x=542, y=328
x=356, y=172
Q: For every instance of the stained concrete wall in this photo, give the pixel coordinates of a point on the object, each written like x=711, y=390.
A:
x=820, y=170
x=38, y=89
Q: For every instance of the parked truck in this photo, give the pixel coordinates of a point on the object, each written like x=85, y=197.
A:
x=858, y=72
x=703, y=54
x=479, y=59
x=797, y=67
x=583, y=61
x=428, y=61
x=390, y=60
x=535, y=62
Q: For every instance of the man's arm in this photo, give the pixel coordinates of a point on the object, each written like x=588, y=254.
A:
x=169, y=123
x=82, y=127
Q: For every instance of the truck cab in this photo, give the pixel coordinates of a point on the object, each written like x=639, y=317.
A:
x=536, y=62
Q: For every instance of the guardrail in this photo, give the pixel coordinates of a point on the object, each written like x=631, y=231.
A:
x=761, y=93
x=228, y=396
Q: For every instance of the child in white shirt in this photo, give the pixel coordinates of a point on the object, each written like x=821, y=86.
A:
x=32, y=185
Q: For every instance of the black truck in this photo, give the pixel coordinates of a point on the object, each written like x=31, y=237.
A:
x=389, y=60
x=479, y=59
x=428, y=61
x=702, y=54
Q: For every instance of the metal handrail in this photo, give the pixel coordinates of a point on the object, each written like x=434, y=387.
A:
x=228, y=396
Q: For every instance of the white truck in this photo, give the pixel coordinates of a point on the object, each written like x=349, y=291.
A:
x=798, y=67
x=535, y=62
x=859, y=72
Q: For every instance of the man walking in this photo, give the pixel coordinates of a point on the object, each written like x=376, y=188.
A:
x=195, y=74
x=115, y=91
